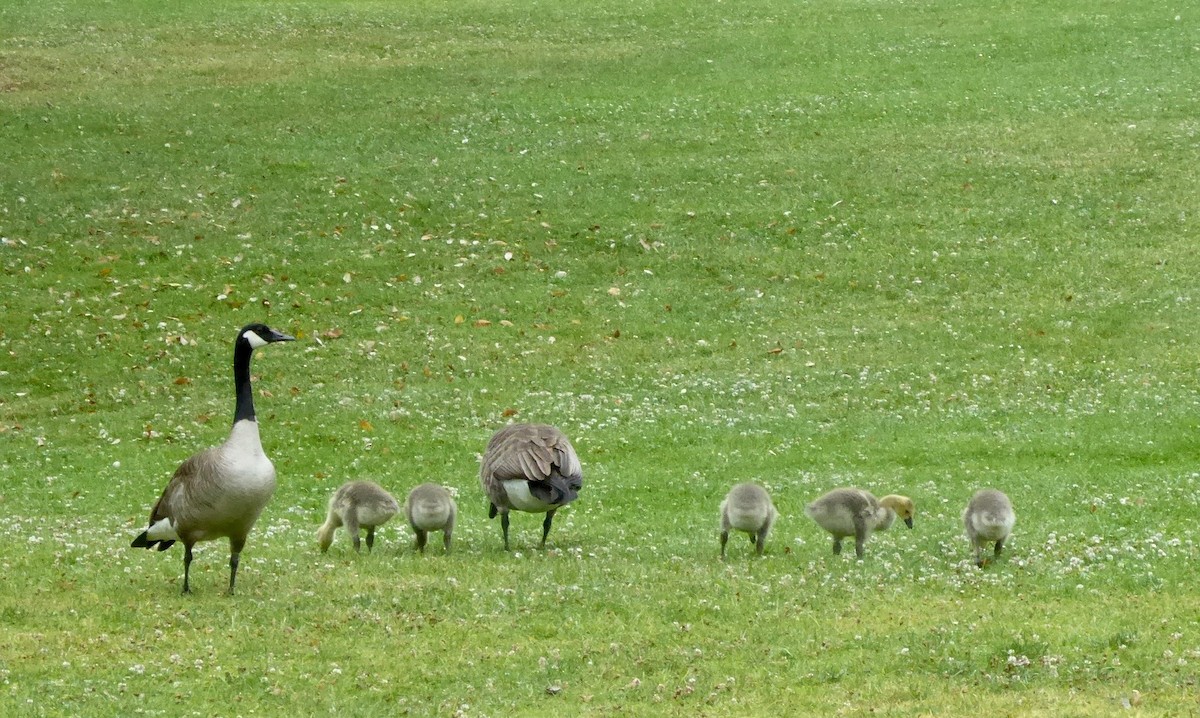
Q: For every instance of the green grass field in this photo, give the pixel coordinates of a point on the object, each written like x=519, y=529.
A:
x=919, y=248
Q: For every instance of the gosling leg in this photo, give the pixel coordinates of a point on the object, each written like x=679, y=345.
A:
x=351, y=523
x=860, y=538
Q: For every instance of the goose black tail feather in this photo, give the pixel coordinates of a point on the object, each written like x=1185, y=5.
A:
x=557, y=489
x=143, y=541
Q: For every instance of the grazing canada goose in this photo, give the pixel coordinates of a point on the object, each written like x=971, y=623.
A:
x=854, y=512
x=357, y=504
x=220, y=491
x=988, y=517
x=747, y=507
x=529, y=467
x=431, y=508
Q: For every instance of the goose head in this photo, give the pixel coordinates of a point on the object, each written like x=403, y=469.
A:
x=259, y=335
x=902, y=506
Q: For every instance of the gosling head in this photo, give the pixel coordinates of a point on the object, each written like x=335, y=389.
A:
x=902, y=505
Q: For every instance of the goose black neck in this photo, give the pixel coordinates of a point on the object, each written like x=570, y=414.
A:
x=241, y=381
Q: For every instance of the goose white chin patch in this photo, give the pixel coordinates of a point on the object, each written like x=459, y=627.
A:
x=255, y=340
x=162, y=530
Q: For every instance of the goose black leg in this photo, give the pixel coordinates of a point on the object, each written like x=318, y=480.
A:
x=187, y=566
x=370, y=538
x=422, y=536
x=546, y=526
x=724, y=538
x=504, y=527
x=235, y=551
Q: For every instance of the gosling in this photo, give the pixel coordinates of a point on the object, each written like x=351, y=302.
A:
x=431, y=508
x=857, y=513
x=747, y=507
x=357, y=504
x=988, y=517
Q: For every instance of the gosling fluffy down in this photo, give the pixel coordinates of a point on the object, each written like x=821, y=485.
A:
x=430, y=507
x=855, y=512
x=747, y=507
x=357, y=504
x=988, y=517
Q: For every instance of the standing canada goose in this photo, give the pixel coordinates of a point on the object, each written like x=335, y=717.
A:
x=529, y=467
x=220, y=491
x=854, y=512
x=988, y=517
x=355, y=504
x=747, y=508
x=431, y=508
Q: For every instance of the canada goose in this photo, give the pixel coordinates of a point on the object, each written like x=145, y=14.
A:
x=431, y=508
x=220, y=491
x=988, y=517
x=529, y=467
x=747, y=507
x=357, y=504
x=854, y=512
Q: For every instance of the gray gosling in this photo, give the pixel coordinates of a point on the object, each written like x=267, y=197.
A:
x=747, y=507
x=529, y=467
x=988, y=517
x=219, y=492
x=431, y=508
x=357, y=504
x=857, y=513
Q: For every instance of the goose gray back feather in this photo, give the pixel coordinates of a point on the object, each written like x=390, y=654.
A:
x=537, y=453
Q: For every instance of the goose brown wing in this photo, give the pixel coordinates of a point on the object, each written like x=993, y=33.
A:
x=531, y=452
x=187, y=486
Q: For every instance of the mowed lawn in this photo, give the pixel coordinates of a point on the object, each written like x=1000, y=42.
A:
x=915, y=247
